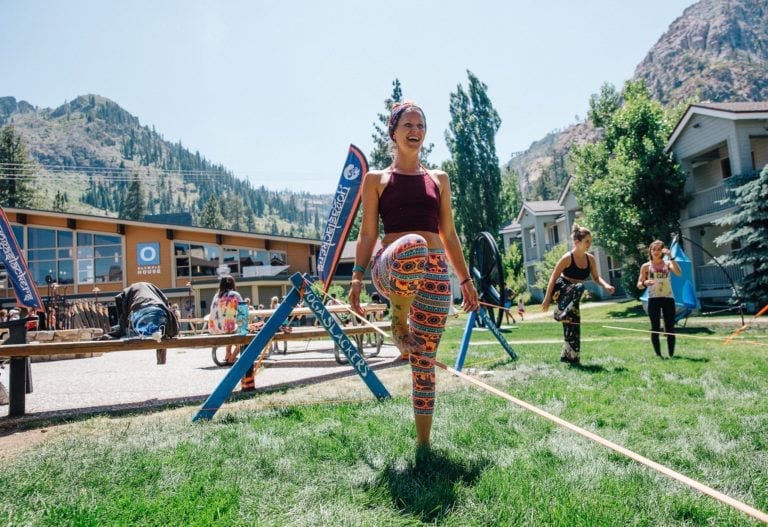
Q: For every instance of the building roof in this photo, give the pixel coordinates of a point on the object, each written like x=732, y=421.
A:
x=549, y=206
x=511, y=227
x=348, y=254
x=734, y=111
x=735, y=107
x=115, y=221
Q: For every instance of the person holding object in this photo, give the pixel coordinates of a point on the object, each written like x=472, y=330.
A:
x=655, y=275
x=411, y=269
x=565, y=287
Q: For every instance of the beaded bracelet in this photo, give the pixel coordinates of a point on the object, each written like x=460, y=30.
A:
x=358, y=268
x=468, y=279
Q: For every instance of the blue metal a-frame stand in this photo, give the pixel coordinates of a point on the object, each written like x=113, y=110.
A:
x=256, y=347
x=471, y=321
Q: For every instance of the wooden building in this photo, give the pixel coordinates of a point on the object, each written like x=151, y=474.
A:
x=74, y=257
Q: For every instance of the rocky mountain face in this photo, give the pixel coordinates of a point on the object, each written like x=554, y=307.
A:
x=717, y=50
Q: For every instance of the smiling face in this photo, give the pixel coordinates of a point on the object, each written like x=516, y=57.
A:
x=411, y=129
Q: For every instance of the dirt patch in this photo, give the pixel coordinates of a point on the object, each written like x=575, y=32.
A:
x=16, y=443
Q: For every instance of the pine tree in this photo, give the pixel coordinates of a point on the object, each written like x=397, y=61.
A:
x=474, y=167
x=211, y=216
x=15, y=165
x=60, y=202
x=133, y=202
x=748, y=229
x=381, y=155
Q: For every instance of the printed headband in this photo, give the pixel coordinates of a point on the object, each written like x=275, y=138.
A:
x=397, y=111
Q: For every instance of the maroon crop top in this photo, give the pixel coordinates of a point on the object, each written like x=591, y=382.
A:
x=410, y=203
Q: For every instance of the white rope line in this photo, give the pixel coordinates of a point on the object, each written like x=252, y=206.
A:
x=723, y=498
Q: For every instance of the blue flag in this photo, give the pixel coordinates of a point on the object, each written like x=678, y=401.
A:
x=342, y=215
x=16, y=267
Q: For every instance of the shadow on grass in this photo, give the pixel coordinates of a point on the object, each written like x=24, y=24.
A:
x=426, y=487
x=628, y=311
x=689, y=359
x=593, y=368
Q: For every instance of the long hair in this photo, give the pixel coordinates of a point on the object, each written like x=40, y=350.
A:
x=226, y=284
x=654, y=243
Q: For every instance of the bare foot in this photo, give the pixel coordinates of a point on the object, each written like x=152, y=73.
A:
x=405, y=342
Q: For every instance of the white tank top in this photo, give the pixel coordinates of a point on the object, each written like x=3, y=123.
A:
x=662, y=286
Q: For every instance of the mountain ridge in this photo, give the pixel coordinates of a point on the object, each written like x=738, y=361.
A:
x=716, y=51
x=90, y=149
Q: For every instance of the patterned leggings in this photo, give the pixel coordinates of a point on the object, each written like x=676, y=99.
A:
x=567, y=296
x=408, y=268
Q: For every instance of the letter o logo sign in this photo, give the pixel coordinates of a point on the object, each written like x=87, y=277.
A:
x=148, y=253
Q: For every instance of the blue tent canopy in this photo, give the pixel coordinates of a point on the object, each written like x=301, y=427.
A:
x=682, y=286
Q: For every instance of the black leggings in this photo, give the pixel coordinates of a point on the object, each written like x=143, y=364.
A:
x=658, y=307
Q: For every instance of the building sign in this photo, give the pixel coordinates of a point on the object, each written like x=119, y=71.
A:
x=148, y=258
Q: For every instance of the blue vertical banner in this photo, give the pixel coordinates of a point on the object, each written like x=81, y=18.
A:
x=342, y=215
x=21, y=279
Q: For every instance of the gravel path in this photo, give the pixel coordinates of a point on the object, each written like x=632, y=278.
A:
x=132, y=379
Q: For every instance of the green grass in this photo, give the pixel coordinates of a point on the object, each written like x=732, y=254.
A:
x=703, y=413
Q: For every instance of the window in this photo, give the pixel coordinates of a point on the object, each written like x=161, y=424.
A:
x=278, y=258
x=99, y=258
x=554, y=235
x=49, y=255
x=194, y=259
x=725, y=167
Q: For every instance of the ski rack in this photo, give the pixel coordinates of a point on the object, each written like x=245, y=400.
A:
x=471, y=322
x=251, y=353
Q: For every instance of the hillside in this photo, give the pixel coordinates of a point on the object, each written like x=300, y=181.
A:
x=717, y=50
x=90, y=150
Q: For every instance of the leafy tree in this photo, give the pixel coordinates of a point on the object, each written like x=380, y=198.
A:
x=630, y=189
x=212, y=217
x=545, y=267
x=15, y=165
x=602, y=106
x=514, y=269
x=511, y=197
x=748, y=226
x=133, y=207
x=474, y=167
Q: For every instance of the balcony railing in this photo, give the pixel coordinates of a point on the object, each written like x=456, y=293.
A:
x=708, y=201
x=711, y=276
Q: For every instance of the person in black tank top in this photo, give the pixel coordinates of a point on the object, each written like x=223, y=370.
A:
x=565, y=287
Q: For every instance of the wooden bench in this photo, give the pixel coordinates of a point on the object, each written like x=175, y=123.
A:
x=20, y=378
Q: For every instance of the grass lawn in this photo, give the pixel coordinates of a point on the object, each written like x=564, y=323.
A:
x=325, y=462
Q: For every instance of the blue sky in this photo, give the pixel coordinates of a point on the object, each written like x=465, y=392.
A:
x=276, y=91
